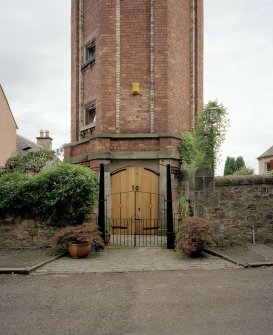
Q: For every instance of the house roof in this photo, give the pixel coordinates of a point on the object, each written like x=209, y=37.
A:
x=267, y=153
x=23, y=144
x=4, y=96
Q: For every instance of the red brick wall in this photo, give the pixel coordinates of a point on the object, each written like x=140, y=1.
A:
x=172, y=66
x=179, y=66
x=200, y=46
x=92, y=74
x=135, y=66
x=93, y=165
x=161, y=54
x=107, y=123
x=74, y=69
x=113, y=145
x=135, y=145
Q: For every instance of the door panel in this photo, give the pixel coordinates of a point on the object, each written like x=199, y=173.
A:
x=135, y=201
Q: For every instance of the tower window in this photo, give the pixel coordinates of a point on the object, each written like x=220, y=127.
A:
x=90, y=114
x=90, y=55
x=91, y=52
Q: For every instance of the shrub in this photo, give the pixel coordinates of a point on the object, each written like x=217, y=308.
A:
x=13, y=189
x=87, y=232
x=32, y=161
x=194, y=229
x=59, y=196
x=66, y=193
x=244, y=171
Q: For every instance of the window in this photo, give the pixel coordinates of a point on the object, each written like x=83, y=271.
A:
x=90, y=114
x=90, y=55
x=91, y=52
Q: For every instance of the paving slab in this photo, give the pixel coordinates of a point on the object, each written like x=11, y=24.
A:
x=25, y=260
x=248, y=256
x=114, y=259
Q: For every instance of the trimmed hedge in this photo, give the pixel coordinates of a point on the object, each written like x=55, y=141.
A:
x=243, y=180
x=59, y=196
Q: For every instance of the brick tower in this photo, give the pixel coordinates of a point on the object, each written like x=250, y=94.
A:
x=137, y=77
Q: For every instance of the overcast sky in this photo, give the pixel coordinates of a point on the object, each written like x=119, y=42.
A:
x=238, y=69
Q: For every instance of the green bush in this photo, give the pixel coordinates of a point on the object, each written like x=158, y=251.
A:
x=13, y=192
x=201, y=147
x=59, y=196
x=244, y=171
x=33, y=161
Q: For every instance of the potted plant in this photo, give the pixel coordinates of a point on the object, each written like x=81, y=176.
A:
x=79, y=240
x=106, y=237
x=194, y=233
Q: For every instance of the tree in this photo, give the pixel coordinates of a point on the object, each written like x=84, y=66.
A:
x=227, y=166
x=237, y=166
x=240, y=163
x=202, y=145
x=230, y=166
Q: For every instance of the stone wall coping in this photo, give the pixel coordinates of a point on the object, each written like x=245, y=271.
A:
x=243, y=180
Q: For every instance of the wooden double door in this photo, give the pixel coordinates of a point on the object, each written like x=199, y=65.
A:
x=135, y=201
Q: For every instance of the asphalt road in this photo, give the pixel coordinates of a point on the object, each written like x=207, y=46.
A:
x=139, y=303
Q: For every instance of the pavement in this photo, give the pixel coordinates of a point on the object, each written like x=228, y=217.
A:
x=249, y=256
x=114, y=259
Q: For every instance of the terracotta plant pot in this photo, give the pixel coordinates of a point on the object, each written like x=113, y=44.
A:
x=79, y=250
x=193, y=249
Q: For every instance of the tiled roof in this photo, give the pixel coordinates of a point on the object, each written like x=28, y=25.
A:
x=267, y=153
x=23, y=144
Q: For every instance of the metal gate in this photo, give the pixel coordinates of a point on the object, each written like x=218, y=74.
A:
x=136, y=219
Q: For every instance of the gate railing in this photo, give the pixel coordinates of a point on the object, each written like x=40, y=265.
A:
x=138, y=233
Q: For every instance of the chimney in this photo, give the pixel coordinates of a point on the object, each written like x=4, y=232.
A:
x=44, y=140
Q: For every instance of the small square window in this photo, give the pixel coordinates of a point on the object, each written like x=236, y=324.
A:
x=90, y=114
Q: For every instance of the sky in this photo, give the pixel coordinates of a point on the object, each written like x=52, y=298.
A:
x=238, y=69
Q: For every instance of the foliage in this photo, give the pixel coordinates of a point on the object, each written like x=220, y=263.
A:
x=73, y=192
x=240, y=163
x=244, y=171
x=230, y=166
x=33, y=161
x=233, y=165
x=201, y=147
x=239, y=180
x=194, y=229
x=13, y=189
x=184, y=203
x=59, y=196
x=188, y=149
x=86, y=232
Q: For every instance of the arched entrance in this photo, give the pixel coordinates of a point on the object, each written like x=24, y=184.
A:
x=135, y=202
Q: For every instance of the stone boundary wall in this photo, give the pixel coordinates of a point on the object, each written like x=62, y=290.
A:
x=16, y=232
x=239, y=208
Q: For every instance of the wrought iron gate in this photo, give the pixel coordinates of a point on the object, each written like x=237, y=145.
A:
x=136, y=218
